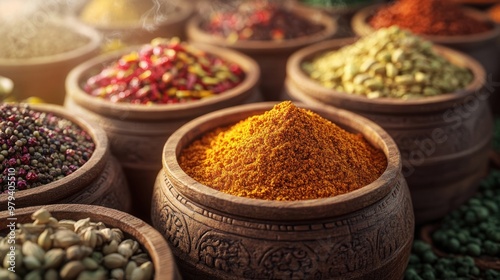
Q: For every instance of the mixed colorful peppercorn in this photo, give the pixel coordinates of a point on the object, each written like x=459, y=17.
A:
x=259, y=20
x=165, y=71
x=41, y=147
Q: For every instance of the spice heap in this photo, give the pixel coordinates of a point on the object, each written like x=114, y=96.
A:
x=494, y=13
x=286, y=153
x=259, y=20
x=21, y=39
x=125, y=12
x=474, y=228
x=390, y=62
x=429, y=17
x=67, y=249
x=165, y=71
x=41, y=147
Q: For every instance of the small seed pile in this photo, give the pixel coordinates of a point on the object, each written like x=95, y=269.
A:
x=474, y=228
x=165, y=71
x=259, y=20
x=41, y=147
x=67, y=249
x=388, y=63
x=424, y=264
x=23, y=39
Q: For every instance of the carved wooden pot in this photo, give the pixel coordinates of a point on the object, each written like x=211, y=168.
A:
x=137, y=133
x=150, y=239
x=100, y=181
x=443, y=140
x=44, y=77
x=270, y=55
x=481, y=46
x=364, y=234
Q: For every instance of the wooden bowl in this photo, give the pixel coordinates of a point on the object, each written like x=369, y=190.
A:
x=100, y=181
x=270, y=55
x=444, y=149
x=158, y=250
x=137, y=133
x=481, y=46
x=364, y=234
x=44, y=77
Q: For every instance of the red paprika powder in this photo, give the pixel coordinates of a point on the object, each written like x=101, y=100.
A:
x=429, y=17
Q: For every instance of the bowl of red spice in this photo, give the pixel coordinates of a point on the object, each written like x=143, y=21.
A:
x=49, y=156
x=264, y=30
x=142, y=94
x=443, y=22
x=277, y=191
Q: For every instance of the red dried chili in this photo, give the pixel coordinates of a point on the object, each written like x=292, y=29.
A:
x=163, y=72
x=259, y=20
x=429, y=17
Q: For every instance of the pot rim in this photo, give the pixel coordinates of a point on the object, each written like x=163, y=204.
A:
x=389, y=105
x=195, y=33
x=69, y=22
x=280, y=210
x=159, y=111
x=76, y=181
x=184, y=12
x=361, y=27
x=146, y=235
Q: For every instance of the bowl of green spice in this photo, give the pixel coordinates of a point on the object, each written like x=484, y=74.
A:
x=284, y=191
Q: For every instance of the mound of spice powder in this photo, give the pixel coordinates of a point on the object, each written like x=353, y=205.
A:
x=165, y=71
x=259, y=20
x=429, y=17
x=41, y=147
x=287, y=153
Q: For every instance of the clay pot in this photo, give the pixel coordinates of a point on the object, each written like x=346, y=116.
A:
x=364, y=234
x=44, y=77
x=150, y=239
x=100, y=181
x=164, y=25
x=444, y=140
x=137, y=133
x=481, y=46
x=270, y=55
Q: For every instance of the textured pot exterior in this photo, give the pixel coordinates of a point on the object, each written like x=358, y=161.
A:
x=444, y=141
x=366, y=237
x=137, y=133
x=100, y=181
x=161, y=256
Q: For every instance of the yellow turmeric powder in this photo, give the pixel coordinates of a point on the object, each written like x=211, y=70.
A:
x=287, y=153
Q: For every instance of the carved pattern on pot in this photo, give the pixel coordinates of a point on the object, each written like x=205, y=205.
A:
x=353, y=254
x=290, y=262
x=222, y=252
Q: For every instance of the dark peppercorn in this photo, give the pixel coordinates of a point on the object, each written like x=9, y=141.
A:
x=41, y=147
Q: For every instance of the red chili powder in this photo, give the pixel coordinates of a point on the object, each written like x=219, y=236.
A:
x=429, y=17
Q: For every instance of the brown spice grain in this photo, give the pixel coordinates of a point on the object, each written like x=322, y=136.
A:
x=287, y=153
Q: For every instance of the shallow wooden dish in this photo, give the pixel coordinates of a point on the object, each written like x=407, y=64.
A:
x=270, y=55
x=447, y=170
x=100, y=181
x=137, y=133
x=366, y=233
x=44, y=77
x=147, y=236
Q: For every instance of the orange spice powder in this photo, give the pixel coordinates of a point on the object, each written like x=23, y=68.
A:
x=287, y=153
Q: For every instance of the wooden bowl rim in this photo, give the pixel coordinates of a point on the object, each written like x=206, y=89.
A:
x=184, y=12
x=93, y=45
x=391, y=105
x=146, y=235
x=77, y=180
x=361, y=27
x=195, y=33
x=281, y=210
x=159, y=111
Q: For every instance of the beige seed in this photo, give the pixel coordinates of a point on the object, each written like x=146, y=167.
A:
x=118, y=274
x=107, y=233
x=33, y=275
x=42, y=216
x=31, y=228
x=131, y=266
x=53, y=258
x=68, y=224
x=99, y=274
x=53, y=223
x=89, y=238
x=140, y=258
x=7, y=275
x=31, y=263
x=138, y=274
x=114, y=260
x=65, y=238
x=82, y=224
x=147, y=267
x=90, y=263
x=44, y=240
x=32, y=249
x=112, y=247
x=71, y=270
x=51, y=274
